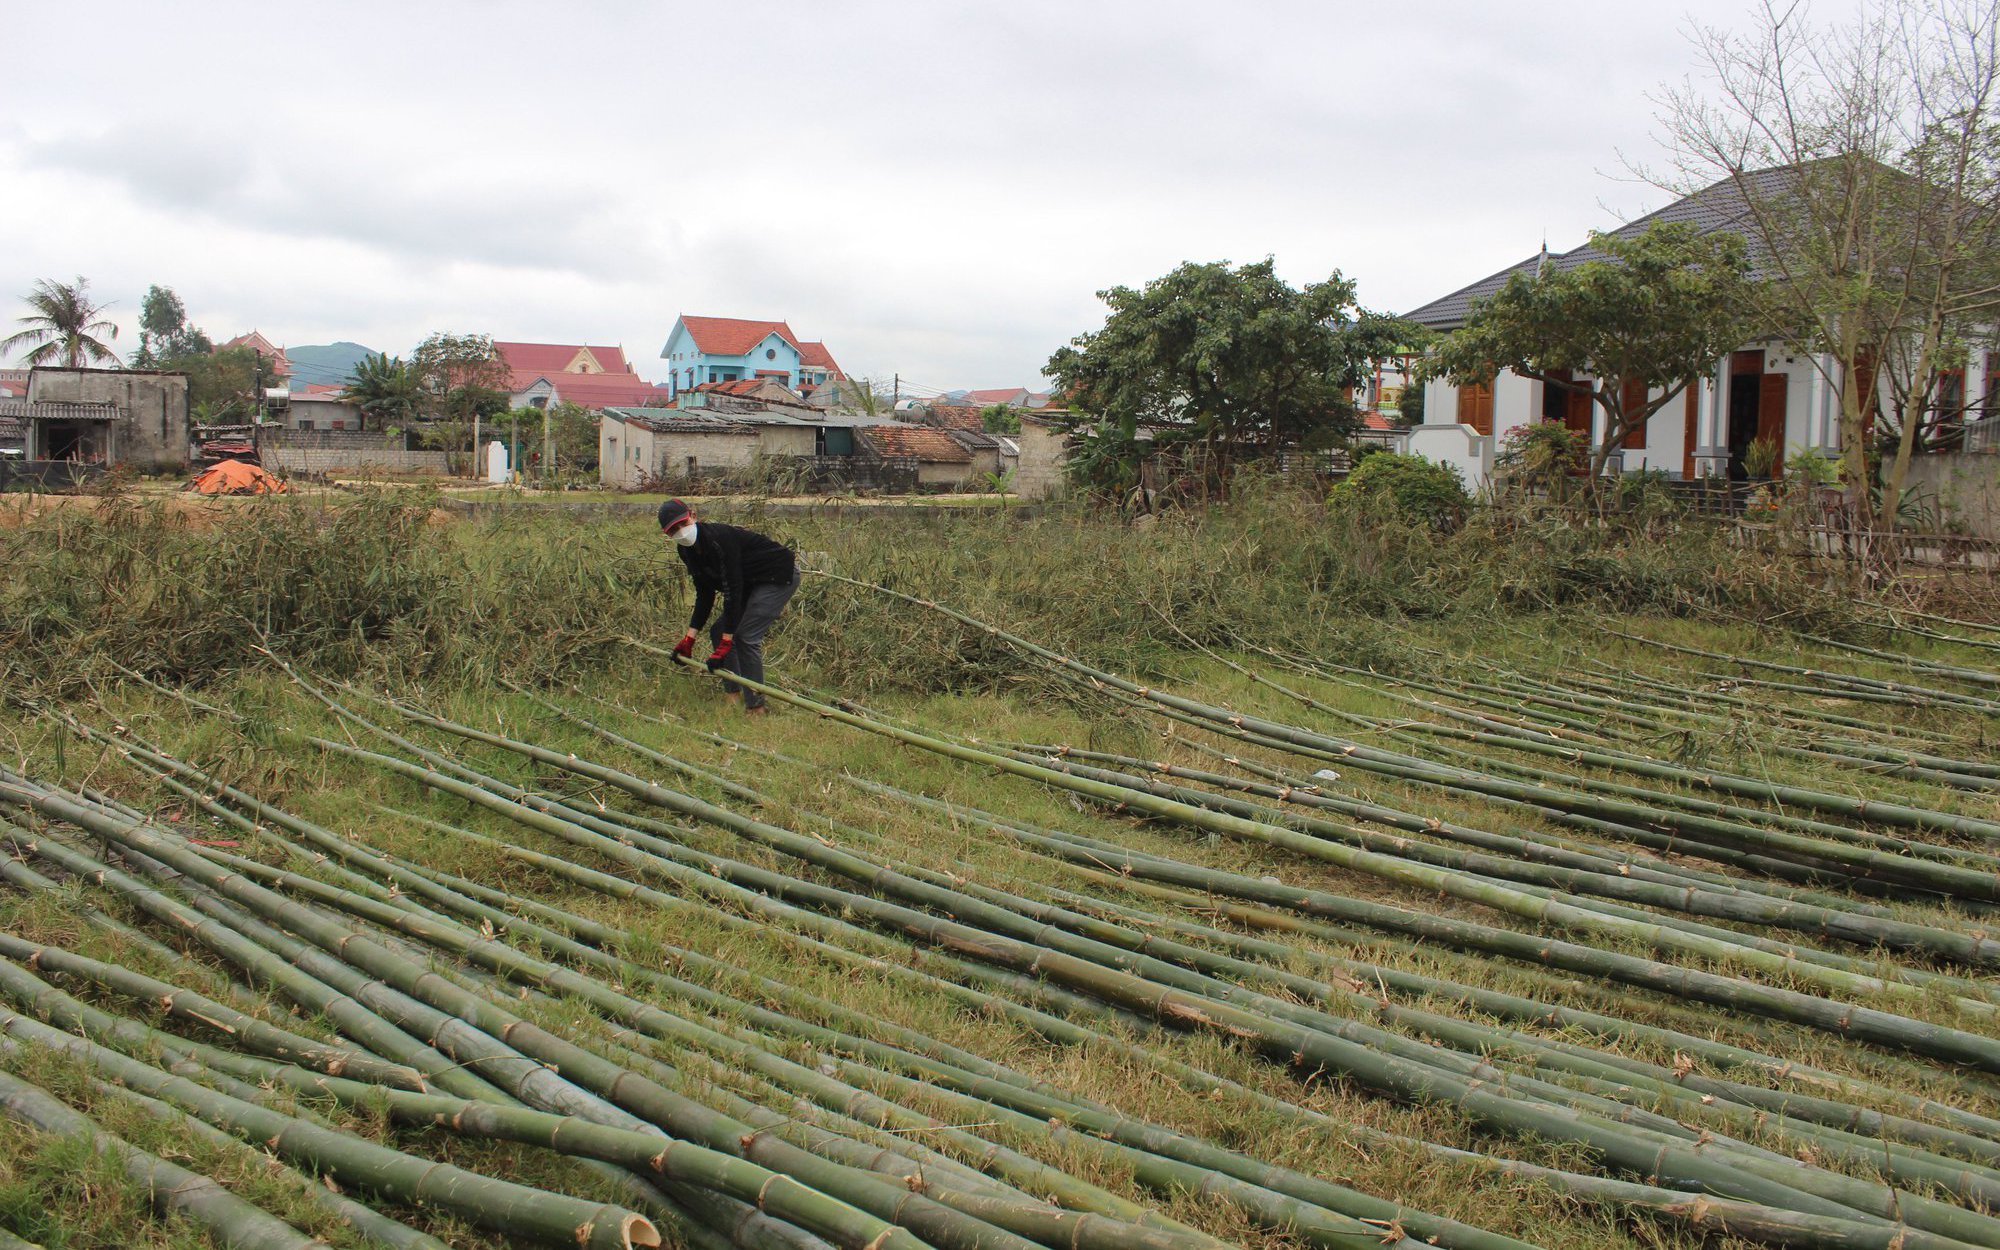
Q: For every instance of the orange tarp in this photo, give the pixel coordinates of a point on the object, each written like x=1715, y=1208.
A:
x=236, y=477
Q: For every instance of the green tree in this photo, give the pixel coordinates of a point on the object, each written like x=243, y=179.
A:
x=63, y=327
x=164, y=332
x=1221, y=357
x=1862, y=154
x=1661, y=310
x=1000, y=419
x=385, y=390
x=573, y=430
x=461, y=381
x=222, y=385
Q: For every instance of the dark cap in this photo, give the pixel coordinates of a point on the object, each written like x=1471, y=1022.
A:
x=672, y=511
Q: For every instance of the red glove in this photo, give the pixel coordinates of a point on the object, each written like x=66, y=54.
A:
x=721, y=653
x=684, y=649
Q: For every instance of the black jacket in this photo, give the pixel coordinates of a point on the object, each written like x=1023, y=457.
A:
x=730, y=560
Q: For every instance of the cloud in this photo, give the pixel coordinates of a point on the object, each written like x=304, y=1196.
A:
x=936, y=190
x=436, y=209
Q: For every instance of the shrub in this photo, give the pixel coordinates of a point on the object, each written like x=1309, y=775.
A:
x=1542, y=456
x=1418, y=488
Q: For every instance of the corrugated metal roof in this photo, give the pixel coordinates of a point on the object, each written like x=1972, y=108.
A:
x=1721, y=206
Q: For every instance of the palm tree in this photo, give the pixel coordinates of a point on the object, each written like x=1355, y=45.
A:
x=63, y=327
x=385, y=390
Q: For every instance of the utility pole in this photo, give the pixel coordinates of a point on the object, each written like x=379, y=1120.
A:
x=897, y=396
x=548, y=450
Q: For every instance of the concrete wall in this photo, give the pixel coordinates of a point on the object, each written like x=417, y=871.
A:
x=951, y=475
x=625, y=454
x=152, y=430
x=1038, y=474
x=1457, y=446
x=1966, y=486
x=334, y=452
x=321, y=414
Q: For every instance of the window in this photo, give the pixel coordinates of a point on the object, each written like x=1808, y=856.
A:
x=305, y=425
x=339, y=425
x=770, y=353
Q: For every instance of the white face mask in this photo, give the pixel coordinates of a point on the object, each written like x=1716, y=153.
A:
x=685, y=535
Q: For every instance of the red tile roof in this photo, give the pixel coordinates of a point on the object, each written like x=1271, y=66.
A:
x=1376, y=421
x=555, y=357
x=600, y=390
x=924, y=445
x=815, y=356
x=729, y=336
x=256, y=341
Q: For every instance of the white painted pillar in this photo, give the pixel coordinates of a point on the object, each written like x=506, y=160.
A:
x=1708, y=423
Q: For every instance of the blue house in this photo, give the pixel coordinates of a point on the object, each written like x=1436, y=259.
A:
x=727, y=349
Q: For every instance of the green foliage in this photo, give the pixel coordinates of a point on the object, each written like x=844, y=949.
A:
x=376, y=582
x=1000, y=419
x=1811, y=467
x=1225, y=356
x=1663, y=307
x=164, y=332
x=574, y=429
x=1417, y=489
x=460, y=375
x=1410, y=405
x=1542, y=456
x=460, y=381
x=62, y=327
x=1760, y=457
x=222, y=385
x=386, y=391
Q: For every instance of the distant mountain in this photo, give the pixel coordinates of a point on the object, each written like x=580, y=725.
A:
x=329, y=364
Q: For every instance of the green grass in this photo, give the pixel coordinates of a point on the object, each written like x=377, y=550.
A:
x=450, y=609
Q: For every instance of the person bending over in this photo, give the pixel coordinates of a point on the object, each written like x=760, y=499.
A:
x=755, y=576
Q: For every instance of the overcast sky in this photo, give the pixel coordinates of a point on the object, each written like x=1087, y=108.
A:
x=935, y=188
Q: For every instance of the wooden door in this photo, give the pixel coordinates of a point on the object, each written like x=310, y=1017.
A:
x=1475, y=406
x=1690, y=423
x=1771, y=417
x=1632, y=396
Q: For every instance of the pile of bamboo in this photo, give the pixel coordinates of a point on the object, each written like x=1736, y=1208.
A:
x=723, y=1105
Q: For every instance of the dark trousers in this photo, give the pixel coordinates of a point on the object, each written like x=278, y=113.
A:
x=762, y=605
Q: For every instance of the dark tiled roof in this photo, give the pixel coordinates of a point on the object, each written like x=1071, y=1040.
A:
x=956, y=417
x=1720, y=206
x=972, y=440
x=46, y=410
x=673, y=421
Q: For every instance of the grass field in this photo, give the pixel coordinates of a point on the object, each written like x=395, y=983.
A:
x=147, y=631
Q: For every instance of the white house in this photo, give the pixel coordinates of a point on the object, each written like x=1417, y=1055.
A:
x=1769, y=390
